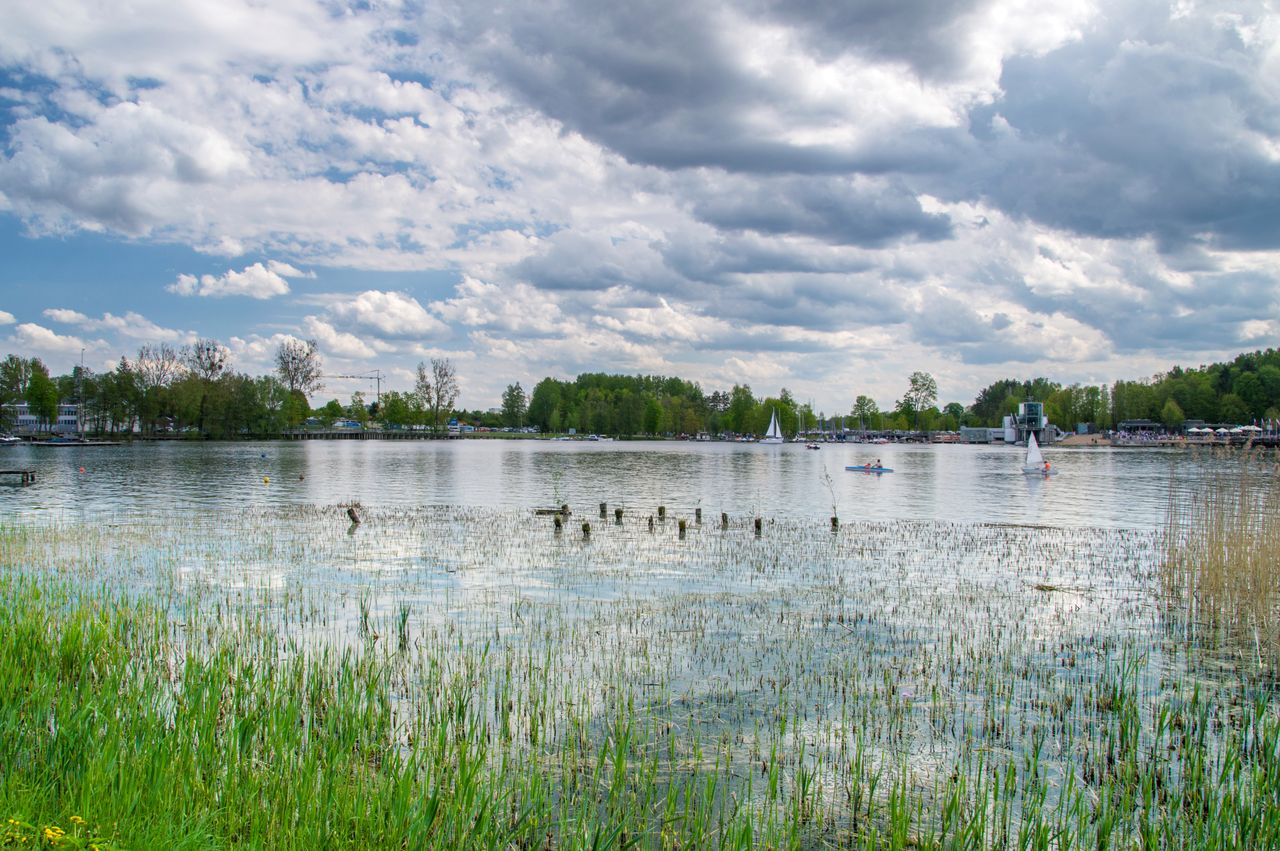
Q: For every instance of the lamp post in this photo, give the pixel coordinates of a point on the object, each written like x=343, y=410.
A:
x=80, y=394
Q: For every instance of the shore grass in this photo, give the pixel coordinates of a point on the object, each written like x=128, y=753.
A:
x=450, y=678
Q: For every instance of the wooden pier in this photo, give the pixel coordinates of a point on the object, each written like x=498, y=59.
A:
x=28, y=476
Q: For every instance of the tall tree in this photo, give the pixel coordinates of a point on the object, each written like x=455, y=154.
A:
x=922, y=392
x=867, y=412
x=437, y=387
x=42, y=394
x=207, y=359
x=513, y=405
x=15, y=373
x=299, y=366
x=157, y=366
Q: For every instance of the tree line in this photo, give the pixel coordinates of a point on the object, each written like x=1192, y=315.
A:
x=194, y=389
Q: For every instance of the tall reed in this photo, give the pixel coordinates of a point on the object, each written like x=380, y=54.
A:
x=1222, y=559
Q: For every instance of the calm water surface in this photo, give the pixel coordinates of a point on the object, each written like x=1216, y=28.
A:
x=1095, y=487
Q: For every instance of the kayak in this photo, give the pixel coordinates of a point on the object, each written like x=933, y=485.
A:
x=865, y=469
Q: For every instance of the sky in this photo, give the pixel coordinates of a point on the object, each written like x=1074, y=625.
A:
x=821, y=195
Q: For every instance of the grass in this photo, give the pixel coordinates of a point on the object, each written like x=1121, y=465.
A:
x=447, y=678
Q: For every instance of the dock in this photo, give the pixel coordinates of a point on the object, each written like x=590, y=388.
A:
x=28, y=476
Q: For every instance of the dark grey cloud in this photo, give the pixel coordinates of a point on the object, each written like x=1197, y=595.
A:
x=661, y=83
x=833, y=210
x=926, y=35
x=1121, y=138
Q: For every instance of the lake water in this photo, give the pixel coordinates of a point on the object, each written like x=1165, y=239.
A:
x=1095, y=487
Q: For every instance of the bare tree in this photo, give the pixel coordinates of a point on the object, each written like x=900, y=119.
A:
x=298, y=365
x=438, y=388
x=207, y=358
x=157, y=366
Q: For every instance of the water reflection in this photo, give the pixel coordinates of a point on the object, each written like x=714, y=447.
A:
x=1094, y=486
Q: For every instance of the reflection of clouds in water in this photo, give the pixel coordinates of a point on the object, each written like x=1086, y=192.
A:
x=1093, y=487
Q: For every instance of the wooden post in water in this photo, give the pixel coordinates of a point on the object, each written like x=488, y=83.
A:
x=759, y=526
x=617, y=516
x=604, y=510
x=697, y=516
x=724, y=520
x=662, y=512
x=586, y=530
x=650, y=522
x=835, y=523
x=682, y=528
x=559, y=523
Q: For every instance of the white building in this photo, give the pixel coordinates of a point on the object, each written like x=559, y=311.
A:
x=25, y=422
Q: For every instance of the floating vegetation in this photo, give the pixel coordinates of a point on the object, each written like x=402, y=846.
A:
x=453, y=677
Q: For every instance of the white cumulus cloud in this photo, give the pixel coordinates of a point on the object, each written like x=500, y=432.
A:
x=257, y=281
x=391, y=314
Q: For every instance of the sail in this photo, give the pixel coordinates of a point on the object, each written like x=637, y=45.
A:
x=773, y=427
x=1034, y=459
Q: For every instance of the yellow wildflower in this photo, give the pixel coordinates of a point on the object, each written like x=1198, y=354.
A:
x=77, y=820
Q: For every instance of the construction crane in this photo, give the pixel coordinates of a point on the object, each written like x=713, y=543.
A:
x=375, y=376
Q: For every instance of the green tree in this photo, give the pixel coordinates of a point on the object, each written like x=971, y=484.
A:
x=866, y=411
x=438, y=388
x=922, y=392
x=740, y=417
x=206, y=359
x=332, y=411
x=42, y=395
x=514, y=405
x=1171, y=415
x=1232, y=409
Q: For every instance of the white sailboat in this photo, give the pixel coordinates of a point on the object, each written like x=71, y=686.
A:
x=1034, y=464
x=774, y=434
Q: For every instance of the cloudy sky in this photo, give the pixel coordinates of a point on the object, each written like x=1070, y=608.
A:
x=815, y=194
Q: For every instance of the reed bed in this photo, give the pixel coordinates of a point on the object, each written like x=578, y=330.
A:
x=471, y=678
x=1221, y=566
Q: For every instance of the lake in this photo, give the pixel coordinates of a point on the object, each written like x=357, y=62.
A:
x=1095, y=487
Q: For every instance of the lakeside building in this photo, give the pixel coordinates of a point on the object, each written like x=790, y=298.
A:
x=1015, y=428
x=25, y=422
